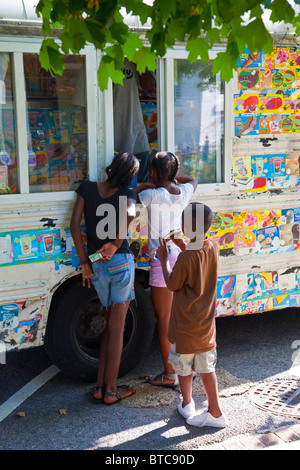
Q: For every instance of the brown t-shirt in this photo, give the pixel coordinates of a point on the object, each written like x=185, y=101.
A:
x=194, y=282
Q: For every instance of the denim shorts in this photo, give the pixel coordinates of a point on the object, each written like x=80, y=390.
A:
x=114, y=279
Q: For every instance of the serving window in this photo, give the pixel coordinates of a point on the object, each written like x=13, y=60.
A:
x=56, y=122
x=8, y=159
x=198, y=120
x=44, y=143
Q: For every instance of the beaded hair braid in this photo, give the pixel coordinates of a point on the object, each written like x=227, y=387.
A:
x=122, y=170
x=166, y=165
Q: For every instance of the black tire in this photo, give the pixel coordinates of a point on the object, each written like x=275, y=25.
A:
x=75, y=324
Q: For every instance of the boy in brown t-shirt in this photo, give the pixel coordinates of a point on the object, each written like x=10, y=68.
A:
x=192, y=330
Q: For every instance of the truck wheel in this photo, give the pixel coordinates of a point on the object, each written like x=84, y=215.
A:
x=75, y=325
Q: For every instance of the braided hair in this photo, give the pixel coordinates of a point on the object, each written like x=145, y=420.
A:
x=166, y=165
x=122, y=170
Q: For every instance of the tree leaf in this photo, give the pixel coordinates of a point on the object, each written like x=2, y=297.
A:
x=145, y=58
x=107, y=70
x=165, y=8
x=138, y=8
x=96, y=31
x=194, y=26
x=213, y=35
x=132, y=43
x=116, y=53
x=50, y=57
x=222, y=64
x=175, y=29
x=119, y=32
x=197, y=47
x=74, y=36
x=282, y=11
x=258, y=36
x=158, y=44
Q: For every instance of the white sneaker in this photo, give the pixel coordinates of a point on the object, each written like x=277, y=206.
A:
x=188, y=410
x=206, y=419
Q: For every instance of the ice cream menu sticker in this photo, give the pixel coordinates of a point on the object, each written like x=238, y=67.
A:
x=30, y=246
x=269, y=93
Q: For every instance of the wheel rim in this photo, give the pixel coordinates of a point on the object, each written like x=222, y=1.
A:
x=89, y=324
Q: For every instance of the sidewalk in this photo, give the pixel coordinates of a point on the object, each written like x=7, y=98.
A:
x=284, y=438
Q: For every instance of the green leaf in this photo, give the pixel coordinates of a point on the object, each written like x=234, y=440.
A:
x=176, y=29
x=119, y=32
x=132, y=43
x=96, y=31
x=257, y=36
x=222, y=64
x=50, y=57
x=44, y=8
x=74, y=36
x=145, y=58
x=213, y=35
x=282, y=11
x=138, y=8
x=158, y=44
x=107, y=69
x=194, y=26
x=234, y=49
x=227, y=10
x=116, y=53
x=165, y=8
x=59, y=11
x=197, y=47
x=297, y=24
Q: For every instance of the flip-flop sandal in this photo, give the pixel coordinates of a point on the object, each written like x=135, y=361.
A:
x=117, y=395
x=159, y=380
x=96, y=389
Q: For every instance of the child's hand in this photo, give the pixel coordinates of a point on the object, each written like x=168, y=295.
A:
x=107, y=251
x=178, y=239
x=87, y=273
x=179, y=242
x=162, y=250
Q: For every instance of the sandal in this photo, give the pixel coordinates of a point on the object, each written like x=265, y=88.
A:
x=117, y=394
x=158, y=380
x=96, y=389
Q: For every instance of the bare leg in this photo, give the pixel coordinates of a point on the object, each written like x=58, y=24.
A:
x=162, y=301
x=102, y=358
x=210, y=385
x=100, y=382
x=111, y=352
x=186, y=384
x=115, y=323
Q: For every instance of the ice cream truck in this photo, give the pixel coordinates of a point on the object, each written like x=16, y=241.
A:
x=240, y=140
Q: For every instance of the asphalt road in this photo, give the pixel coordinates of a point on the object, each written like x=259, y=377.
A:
x=38, y=412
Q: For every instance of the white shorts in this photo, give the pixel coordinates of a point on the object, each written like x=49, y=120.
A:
x=185, y=364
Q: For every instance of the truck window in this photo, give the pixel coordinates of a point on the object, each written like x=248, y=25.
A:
x=135, y=116
x=8, y=160
x=56, y=125
x=198, y=120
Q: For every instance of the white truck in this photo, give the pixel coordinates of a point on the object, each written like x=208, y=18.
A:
x=240, y=140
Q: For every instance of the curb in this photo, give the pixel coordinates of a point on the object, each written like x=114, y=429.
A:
x=282, y=436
